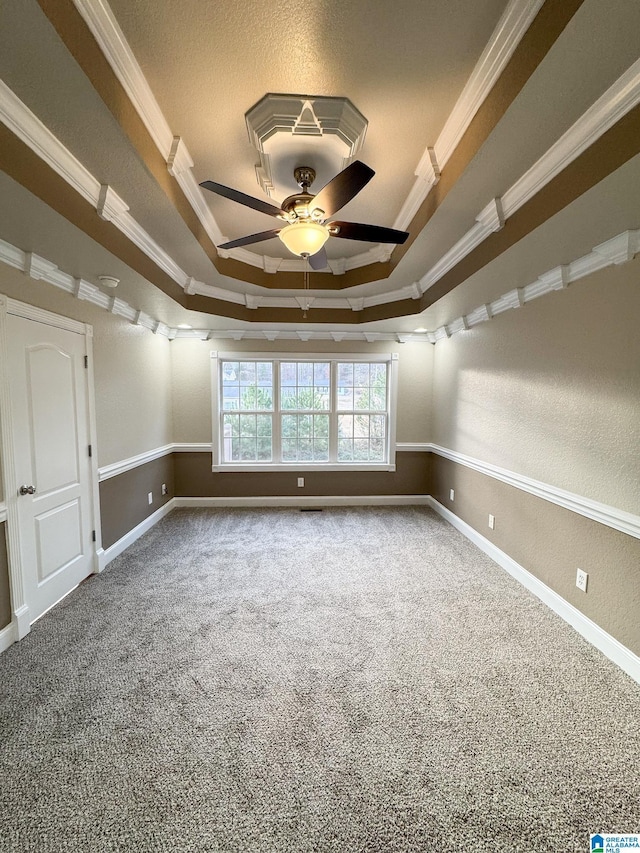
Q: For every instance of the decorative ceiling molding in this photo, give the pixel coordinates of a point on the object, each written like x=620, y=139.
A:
x=618, y=100
x=510, y=29
x=101, y=21
x=619, y=249
x=302, y=115
x=611, y=107
x=508, y=33
x=41, y=269
x=108, y=204
x=19, y=119
x=535, y=43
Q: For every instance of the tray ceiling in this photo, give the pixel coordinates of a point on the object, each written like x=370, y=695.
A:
x=485, y=120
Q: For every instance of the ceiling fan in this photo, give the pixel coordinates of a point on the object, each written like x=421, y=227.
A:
x=307, y=217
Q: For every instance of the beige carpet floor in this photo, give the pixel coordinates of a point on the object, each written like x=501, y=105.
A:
x=272, y=681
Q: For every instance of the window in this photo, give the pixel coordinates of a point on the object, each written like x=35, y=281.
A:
x=303, y=412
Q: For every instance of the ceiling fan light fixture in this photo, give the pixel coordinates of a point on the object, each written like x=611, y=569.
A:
x=304, y=238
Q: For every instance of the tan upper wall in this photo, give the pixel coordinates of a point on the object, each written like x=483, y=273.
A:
x=191, y=364
x=552, y=390
x=131, y=369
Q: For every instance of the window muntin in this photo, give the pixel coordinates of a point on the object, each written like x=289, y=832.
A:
x=311, y=411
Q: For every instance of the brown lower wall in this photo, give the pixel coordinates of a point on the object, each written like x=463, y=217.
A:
x=5, y=596
x=194, y=478
x=124, y=499
x=552, y=543
x=124, y=504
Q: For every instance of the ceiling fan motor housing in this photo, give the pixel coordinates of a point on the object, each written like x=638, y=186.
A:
x=298, y=206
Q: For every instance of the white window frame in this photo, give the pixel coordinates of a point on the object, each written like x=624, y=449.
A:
x=216, y=397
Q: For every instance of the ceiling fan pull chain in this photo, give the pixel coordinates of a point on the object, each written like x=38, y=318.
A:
x=305, y=284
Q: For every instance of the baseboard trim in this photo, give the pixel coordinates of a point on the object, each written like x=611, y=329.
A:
x=594, y=634
x=108, y=554
x=305, y=500
x=8, y=636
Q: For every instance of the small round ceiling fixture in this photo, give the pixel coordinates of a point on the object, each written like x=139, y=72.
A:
x=108, y=280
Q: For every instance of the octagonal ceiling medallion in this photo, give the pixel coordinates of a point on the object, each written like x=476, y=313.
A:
x=286, y=131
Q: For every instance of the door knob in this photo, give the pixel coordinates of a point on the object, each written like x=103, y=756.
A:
x=27, y=490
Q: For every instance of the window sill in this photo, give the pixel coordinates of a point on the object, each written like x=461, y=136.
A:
x=303, y=466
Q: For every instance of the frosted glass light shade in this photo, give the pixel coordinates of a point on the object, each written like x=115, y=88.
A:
x=304, y=238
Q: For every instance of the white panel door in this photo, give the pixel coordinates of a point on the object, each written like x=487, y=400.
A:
x=49, y=400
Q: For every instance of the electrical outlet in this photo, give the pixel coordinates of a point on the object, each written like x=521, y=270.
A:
x=165, y=490
x=452, y=494
x=150, y=497
x=582, y=579
x=492, y=521
x=300, y=482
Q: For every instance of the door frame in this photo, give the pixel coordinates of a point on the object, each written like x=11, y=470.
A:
x=20, y=616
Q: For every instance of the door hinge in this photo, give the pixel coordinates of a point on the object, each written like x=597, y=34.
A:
x=90, y=451
x=86, y=361
x=93, y=536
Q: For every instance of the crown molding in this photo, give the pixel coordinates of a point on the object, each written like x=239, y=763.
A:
x=618, y=100
x=41, y=269
x=623, y=247
x=508, y=33
x=107, y=203
x=111, y=40
x=34, y=133
x=610, y=107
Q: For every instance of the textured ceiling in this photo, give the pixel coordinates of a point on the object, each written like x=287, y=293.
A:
x=404, y=65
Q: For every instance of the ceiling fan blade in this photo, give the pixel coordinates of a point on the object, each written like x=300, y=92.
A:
x=319, y=261
x=242, y=198
x=368, y=233
x=252, y=238
x=342, y=188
